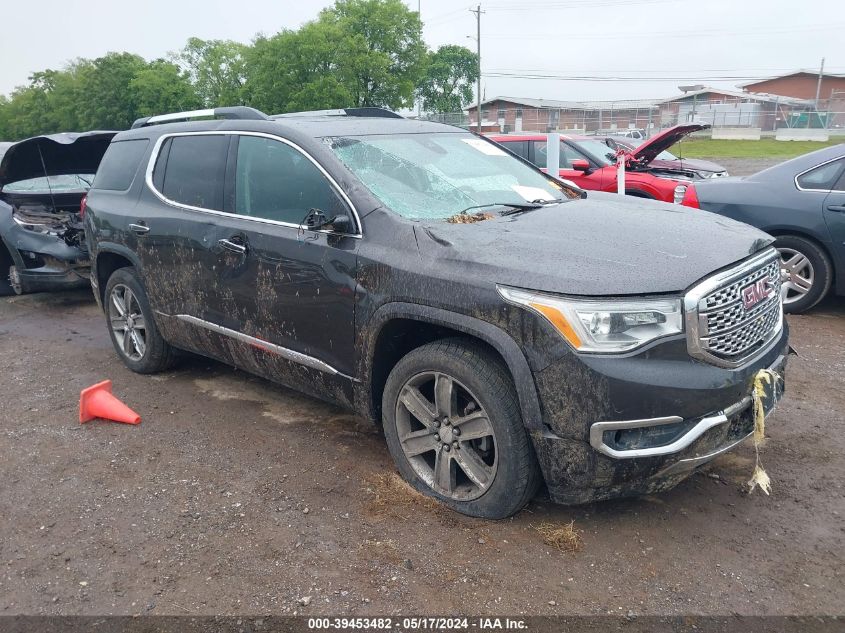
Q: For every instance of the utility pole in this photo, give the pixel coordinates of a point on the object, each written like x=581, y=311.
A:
x=419, y=15
x=819, y=85
x=477, y=11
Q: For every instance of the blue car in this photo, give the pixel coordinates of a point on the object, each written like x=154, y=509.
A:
x=800, y=202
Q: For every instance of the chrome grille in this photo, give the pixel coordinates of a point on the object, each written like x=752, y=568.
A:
x=720, y=329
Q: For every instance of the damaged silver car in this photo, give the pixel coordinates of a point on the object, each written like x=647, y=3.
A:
x=43, y=183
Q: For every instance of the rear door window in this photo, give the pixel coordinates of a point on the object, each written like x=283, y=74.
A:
x=520, y=148
x=191, y=170
x=119, y=164
x=567, y=155
x=274, y=181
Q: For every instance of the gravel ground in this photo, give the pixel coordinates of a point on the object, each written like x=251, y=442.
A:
x=745, y=166
x=235, y=496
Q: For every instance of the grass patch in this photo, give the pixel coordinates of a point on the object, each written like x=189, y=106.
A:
x=764, y=148
x=563, y=537
x=393, y=497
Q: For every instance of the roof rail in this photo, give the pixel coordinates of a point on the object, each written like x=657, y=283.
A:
x=233, y=112
x=383, y=113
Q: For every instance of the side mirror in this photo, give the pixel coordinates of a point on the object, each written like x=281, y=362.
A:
x=317, y=221
x=339, y=223
x=579, y=164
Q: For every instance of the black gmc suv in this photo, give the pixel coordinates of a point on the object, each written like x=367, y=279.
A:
x=504, y=328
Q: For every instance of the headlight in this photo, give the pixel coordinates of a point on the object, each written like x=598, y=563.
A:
x=678, y=196
x=603, y=325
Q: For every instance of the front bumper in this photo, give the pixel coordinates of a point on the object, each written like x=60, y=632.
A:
x=54, y=275
x=601, y=445
x=44, y=262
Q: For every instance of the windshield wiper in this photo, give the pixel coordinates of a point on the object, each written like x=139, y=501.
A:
x=515, y=207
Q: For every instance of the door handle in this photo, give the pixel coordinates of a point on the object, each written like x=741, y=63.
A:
x=836, y=208
x=234, y=247
x=139, y=229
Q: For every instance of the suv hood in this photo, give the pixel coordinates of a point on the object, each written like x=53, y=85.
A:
x=66, y=153
x=603, y=245
x=649, y=150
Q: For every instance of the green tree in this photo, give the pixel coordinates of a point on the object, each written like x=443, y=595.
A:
x=106, y=100
x=383, y=55
x=217, y=68
x=162, y=87
x=296, y=70
x=357, y=53
x=5, y=132
x=448, y=83
x=44, y=105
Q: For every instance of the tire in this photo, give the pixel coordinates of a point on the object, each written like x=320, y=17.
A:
x=145, y=351
x=809, y=269
x=6, y=288
x=494, y=445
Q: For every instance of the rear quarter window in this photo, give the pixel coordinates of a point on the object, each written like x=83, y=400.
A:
x=193, y=170
x=119, y=165
x=822, y=177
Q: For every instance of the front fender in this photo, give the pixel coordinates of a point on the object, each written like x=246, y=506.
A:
x=487, y=332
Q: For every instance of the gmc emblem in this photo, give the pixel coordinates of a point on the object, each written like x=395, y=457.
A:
x=755, y=293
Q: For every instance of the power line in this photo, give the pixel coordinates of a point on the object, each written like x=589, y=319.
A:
x=442, y=18
x=618, y=78
x=670, y=34
x=773, y=71
x=577, y=4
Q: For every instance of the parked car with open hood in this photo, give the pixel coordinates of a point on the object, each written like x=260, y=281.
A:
x=502, y=329
x=637, y=135
x=589, y=163
x=42, y=184
x=801, y=202
x=668, y=164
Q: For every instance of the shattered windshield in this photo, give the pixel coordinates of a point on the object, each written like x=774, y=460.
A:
x=436, y=176
x=45, y=184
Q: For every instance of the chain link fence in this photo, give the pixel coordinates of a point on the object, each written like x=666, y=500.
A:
x=773, y=116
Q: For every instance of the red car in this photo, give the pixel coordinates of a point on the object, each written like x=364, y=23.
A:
x=591, y=164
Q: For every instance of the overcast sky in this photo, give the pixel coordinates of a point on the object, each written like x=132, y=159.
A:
x=679, y=40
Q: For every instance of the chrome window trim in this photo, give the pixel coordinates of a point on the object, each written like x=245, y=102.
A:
x=806, y=171
x=299, y=227
x=694, y=296
x=284, y=352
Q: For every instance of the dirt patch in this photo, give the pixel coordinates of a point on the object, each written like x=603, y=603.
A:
x=202, y=507
x=745, y=166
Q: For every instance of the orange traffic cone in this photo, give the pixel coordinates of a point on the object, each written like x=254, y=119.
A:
x=97, y=402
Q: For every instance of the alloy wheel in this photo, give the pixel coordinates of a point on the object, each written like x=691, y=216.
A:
x=797, y=274
x=446, y=436
x=127, y=322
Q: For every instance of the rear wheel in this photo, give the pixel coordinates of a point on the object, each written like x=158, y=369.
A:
x=133, y=331
x=452, y=423
x=806, y=272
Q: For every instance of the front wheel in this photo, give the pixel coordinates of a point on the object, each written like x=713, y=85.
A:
x=133, y=331
x=453, y=426
x=806, y=272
